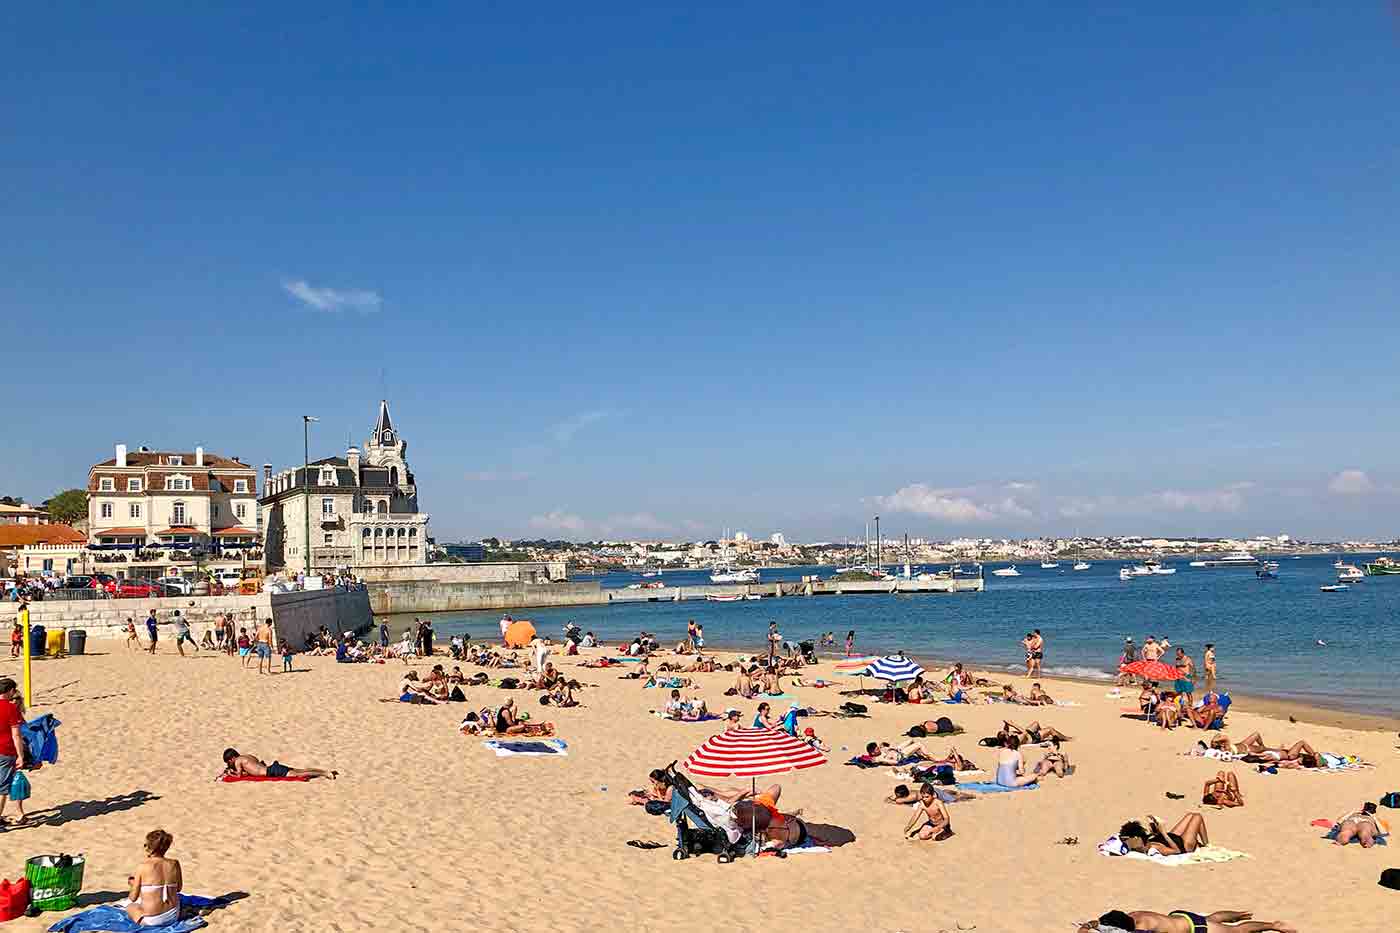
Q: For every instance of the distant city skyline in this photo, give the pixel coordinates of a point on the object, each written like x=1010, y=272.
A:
x=777, y=268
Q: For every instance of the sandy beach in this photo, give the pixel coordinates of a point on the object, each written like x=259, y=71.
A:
x=428, y=830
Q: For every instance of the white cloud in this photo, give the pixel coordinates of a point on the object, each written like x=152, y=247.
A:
x=1016, y=486
x=332, y=299
x=1351, y=483
x=1209, y=500
x=565, y=430
x=637, y=521
x=496, y=476
x=557, y=520
x=950, y=505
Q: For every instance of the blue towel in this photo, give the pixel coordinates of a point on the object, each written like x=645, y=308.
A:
x=991, y=787
x=115, y=920
x=39, y=738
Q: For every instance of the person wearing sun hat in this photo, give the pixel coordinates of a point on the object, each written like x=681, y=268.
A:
x=809, y=735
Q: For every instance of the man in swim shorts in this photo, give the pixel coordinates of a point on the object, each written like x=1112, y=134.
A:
x=1184, y=921
x=253, y=766
x=263, y=645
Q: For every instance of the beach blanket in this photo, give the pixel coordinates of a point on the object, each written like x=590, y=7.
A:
x=537, y=748
x=708, y=717
x=991, y=787
x=1332, y=836
x=1205, y=855
x=227, y=778
x=807, y=847
x=903, y=762
x=114, y=919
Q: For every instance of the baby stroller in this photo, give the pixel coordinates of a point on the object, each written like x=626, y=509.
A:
x=809, y=652
x=695, y=833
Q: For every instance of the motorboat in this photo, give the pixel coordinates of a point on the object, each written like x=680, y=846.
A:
x=1049, y=564
x=1080, y=565
x=725, y=574
x=1264, y=573
x=1334, y=587
x=1233, y=559
x=1006, y=572
x=1155, y=568
x=1125, y=573
x=1338, y=563
x=717, y=598
x=752, y=596
x=1349, y=573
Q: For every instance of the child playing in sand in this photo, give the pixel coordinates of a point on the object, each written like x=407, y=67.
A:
x=930, y=820
x=285, y=649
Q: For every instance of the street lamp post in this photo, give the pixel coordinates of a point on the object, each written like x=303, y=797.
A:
x=306, y=483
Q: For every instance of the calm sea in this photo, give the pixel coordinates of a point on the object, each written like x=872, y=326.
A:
x=1266, y=632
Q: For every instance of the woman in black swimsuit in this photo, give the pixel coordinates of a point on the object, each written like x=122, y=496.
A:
x=1187, y=835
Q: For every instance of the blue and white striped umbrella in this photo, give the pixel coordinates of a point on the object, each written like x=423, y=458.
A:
x=894, y=668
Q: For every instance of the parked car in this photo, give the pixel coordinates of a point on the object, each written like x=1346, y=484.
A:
x=95, y=581
x=138, y=589
x=229, y=579
x=178, y=586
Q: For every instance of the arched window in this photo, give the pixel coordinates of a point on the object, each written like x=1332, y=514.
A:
x=402, y=532
x=383, y=506
x=413, y=532
x=177, y=513
x=367, y=507
x=379, y=532
x=365, y=533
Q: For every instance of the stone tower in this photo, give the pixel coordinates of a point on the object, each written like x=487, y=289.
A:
x=387, y=450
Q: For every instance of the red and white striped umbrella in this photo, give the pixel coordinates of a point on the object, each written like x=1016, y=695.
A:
x=752, y=753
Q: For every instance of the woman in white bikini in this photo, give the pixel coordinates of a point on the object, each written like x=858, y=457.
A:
x=155, y=888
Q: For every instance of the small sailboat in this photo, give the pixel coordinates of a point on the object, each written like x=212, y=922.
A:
x=1081, y=565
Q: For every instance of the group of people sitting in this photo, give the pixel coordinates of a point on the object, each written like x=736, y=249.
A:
x=1170, y=709
x=503, y=721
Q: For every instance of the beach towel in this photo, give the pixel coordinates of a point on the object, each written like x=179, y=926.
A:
x=1205, y=855
x=227, y=778
x=903, y=762
x=114, y=919
x=808, y=846
x=1332, y=837
x=708, y=717
x=536, y=748
x=39, y=738
x=991, y=787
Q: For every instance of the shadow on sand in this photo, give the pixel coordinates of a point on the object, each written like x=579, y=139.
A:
x=83, y=809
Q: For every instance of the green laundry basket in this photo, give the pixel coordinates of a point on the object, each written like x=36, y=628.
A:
x=54, y=881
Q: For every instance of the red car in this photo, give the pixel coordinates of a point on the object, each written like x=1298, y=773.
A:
x=96, y=581
x=137, y=589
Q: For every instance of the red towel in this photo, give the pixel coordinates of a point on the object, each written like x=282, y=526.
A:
x=235, y=778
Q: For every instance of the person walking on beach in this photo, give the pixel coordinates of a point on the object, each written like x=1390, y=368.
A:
x=775, y=638
x=1208, y=667
x=383, y=633
x=690, y=635
x=151, y=624
x=263, y=645
x=133, y=641
x=850, y=643
x=12, y=746
x=1030, y=654
x=1037, y=651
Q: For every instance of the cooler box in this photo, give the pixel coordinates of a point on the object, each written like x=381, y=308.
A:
x=77, y=641
x=56, y=639
x=36, y=641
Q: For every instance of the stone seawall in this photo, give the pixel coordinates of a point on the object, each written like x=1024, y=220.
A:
x=293, y=614
x=438, y=596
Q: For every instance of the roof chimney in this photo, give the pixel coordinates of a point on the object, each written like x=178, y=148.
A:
x=199, y=456
x=121, y=455
x=267, y=479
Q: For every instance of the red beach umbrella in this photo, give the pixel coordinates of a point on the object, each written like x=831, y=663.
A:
x=1152, y=670
x=751, y=753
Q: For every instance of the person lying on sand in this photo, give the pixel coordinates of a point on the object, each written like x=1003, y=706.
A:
x=1359, y=824
x=776, y=829
x=236, y=763
x=931, y=821
x=1298, y=755
x=1034, y=733
x=883, y=753
x=1187, y=835
x=1223, y=790
x=1009, y=695
x=1184, y=921
x=1053, y=762
x=640, y=672
x=562, y=695
x=809, y=737
x=903, y=796
x=685, y=710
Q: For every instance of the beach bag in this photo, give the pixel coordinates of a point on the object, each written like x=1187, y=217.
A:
x=509, y=683
x=1391, y=799
x=855, y=708
x=1390, y=878
x=19, y=787
x=14, y=898
x=54, y=880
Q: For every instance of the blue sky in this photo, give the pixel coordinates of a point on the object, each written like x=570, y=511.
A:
x=775, y=266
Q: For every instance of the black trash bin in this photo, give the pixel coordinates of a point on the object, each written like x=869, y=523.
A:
x=37, y=635
x=77, y=640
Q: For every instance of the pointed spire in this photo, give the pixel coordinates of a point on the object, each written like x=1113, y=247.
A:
x=383, y=423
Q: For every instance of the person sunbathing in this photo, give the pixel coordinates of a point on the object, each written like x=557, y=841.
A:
x=931, y=822
x=1298, y=755
x=660, y=790
x=883, y=753
x=1011, y=766
x=1206, y=715
x=1223, y=790
x=760, y=811
x=772, y=682
x=903, y=796
x=1148, y=700
x=1039, y=697
x=456, y=677
x=1053, y=762
x=238, y=764
x=411, y=691
x=1359, y=824
x=1168, y=713
x=1034, y=733
x=1187, y=835
x=1184, y=921
x=507, y=723
x=153, y=898
x=1009, y=695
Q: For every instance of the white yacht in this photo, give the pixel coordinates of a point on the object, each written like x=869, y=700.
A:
x=1049, y=564
x=723, y=573
x=1233, y=559
x=1081, y=565
x=1349, y=573
x=1007, y=572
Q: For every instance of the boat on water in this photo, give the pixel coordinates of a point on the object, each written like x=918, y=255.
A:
x=1125, y=573
x=1337, y=564
x=1081, y=565
x=1155, y=567
x=1348, y=573
x=651, y=573
x=752, y=596
x=1334, y=587
x=1049, y=564
x=1382, y=567
x=726, y=574
x=717, y=598
x=1006, y=572
x=1233, y=559
x=1264, y=573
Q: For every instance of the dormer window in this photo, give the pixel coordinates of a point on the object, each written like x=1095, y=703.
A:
x=106, y=484
x=133, y=485
x=178, y=483
x=328, y=477
x=240, y=485
x=175, y=460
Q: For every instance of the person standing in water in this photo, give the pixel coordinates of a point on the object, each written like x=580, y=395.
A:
x=1208, y=667
x=850, y=643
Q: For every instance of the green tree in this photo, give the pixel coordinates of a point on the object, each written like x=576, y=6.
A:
x=68, y=506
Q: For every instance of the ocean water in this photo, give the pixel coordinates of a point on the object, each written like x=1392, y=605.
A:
x=1266, y=633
